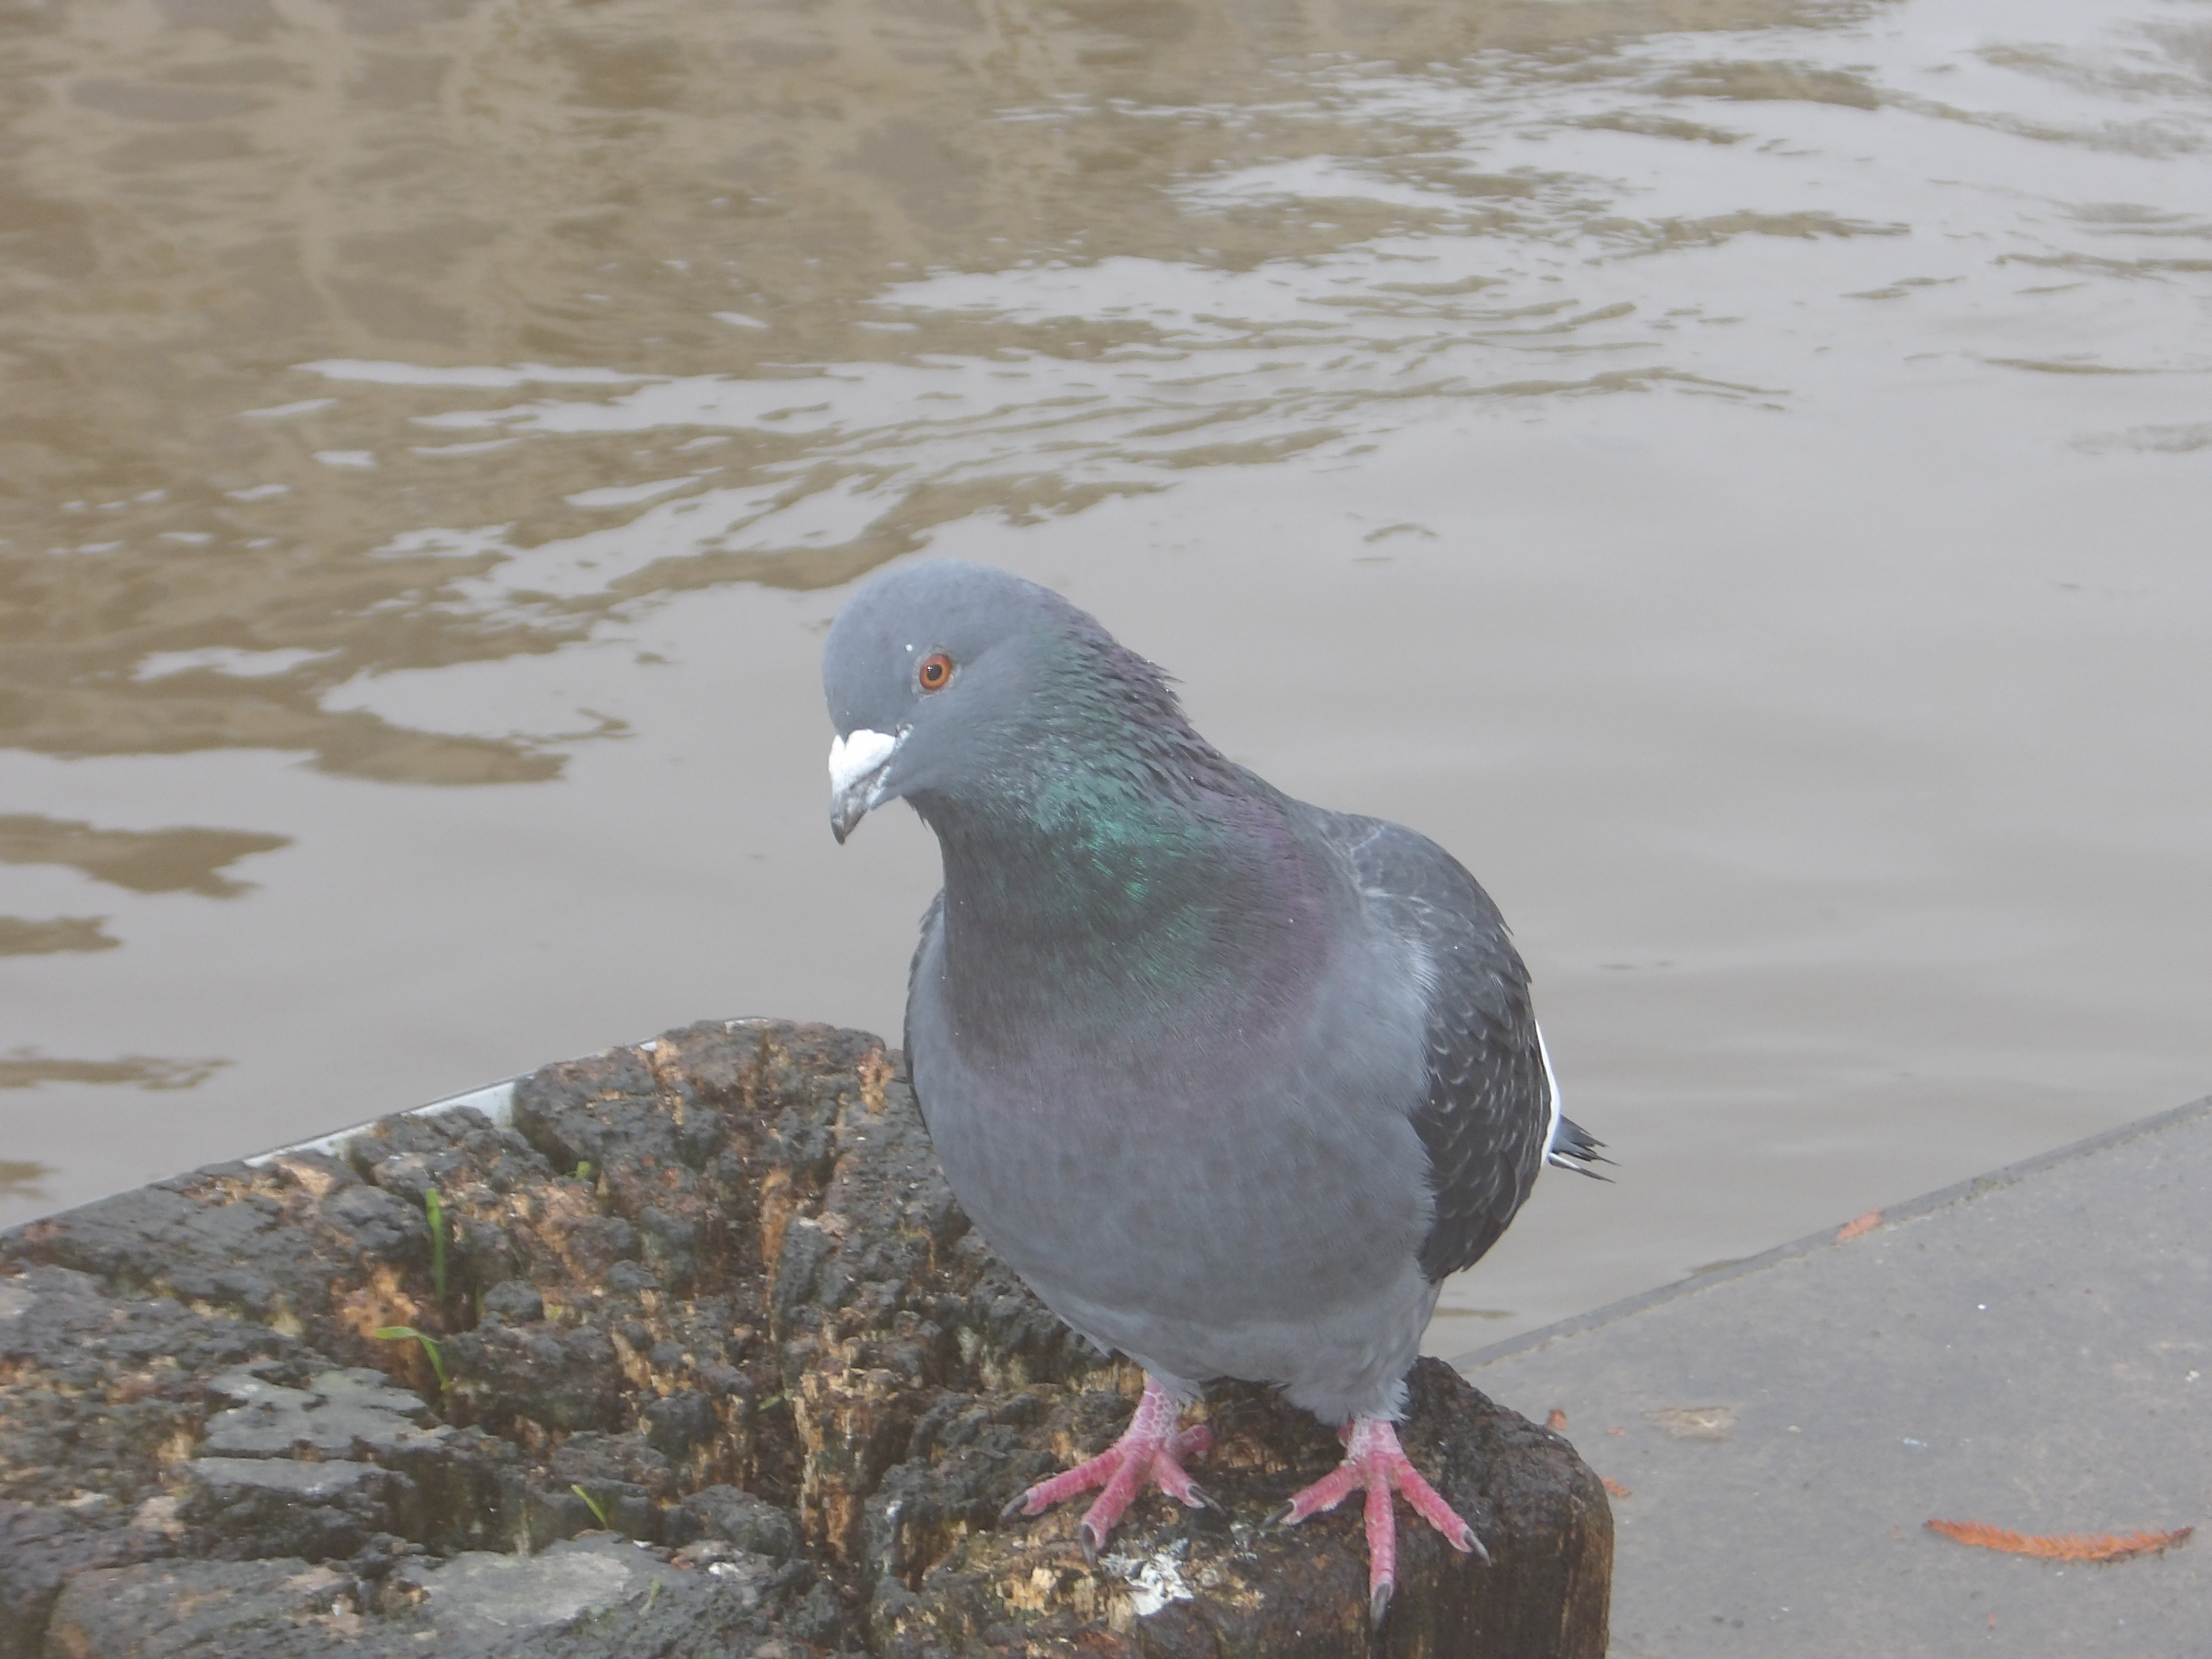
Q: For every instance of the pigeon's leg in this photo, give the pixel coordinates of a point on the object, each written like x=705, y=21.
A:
x=1373, y=1459
x=1150, y=1449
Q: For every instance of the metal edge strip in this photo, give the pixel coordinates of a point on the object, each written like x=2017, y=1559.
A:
x=494, y=1100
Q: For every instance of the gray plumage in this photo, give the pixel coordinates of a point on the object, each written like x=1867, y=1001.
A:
x=1231, y=1081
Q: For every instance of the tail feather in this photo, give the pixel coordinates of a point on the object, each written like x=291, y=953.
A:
x=1576, y=1148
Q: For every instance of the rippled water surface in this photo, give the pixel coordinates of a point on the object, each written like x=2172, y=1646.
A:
x=1736, y=472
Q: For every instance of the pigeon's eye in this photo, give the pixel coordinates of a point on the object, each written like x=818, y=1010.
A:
x=935, y=672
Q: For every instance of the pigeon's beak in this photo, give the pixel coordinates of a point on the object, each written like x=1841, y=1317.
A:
x=858, y=762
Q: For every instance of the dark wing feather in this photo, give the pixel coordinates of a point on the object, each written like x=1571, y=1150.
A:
x=1487, y=1114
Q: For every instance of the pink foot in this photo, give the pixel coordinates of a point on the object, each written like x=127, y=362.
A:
x=1150, y=1449
x=1373, y=1459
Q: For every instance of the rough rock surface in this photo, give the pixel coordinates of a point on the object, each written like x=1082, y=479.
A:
x=703, y=1359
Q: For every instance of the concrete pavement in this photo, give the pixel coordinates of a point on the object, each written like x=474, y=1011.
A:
x=2032, y=1349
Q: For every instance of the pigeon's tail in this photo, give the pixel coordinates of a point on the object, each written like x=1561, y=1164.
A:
x=1576, y=1148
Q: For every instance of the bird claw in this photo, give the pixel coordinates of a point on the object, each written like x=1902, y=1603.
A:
x=1375, y=1463
x=1147, y=1453
x=1379, y=1603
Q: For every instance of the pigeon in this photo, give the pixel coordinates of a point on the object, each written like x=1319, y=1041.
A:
x=1232, y=1083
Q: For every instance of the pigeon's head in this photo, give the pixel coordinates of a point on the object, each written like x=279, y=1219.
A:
x=938, y=676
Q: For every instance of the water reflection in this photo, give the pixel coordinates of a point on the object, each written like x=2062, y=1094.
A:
x=1143, y=223
x=21, y=937
x=20, y=1182
x=182, y=860
x=1696, y=432
x=25, y=1069
x=670, y=190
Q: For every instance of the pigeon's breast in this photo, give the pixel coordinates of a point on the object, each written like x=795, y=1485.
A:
x=1240, y=1162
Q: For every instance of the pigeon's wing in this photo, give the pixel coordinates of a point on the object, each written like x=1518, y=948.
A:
x=1486, y=1117
x=932, y=919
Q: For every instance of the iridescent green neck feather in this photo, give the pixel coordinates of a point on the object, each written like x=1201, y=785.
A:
x=1113, y=871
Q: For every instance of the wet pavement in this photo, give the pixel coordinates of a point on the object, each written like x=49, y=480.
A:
x=2031, y=1350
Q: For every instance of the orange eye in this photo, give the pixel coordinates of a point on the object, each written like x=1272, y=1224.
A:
x=935, y=672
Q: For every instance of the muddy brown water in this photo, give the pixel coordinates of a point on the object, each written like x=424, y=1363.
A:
x=1735, y=473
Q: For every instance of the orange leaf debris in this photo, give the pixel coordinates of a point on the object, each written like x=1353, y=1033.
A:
x=1865, y=1224
x=1616, y=1488
x=1620, y=1432
x=1557, y=1419
x=2073, y=1546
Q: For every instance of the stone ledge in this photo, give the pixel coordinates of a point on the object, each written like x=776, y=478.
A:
x=703, y=1311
